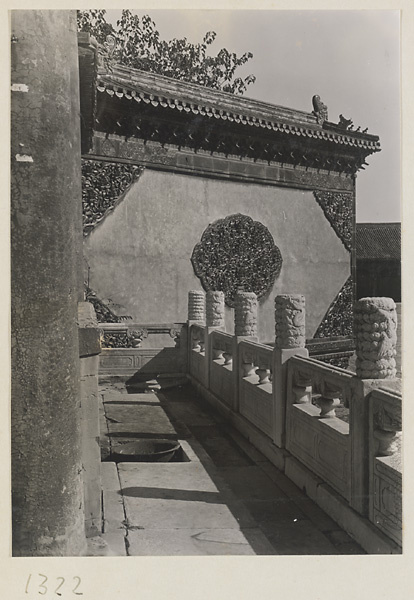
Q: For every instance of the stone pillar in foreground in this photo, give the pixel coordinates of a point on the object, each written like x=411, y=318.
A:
x=290, y=339
x=46, y=246
x=376, y=338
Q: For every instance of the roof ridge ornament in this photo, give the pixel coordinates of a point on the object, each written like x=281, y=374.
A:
x=320, y=110
x=106, y=53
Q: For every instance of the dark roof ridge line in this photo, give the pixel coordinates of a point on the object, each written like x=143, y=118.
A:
x=272, y=122
x=236, y=106
x=177, y=85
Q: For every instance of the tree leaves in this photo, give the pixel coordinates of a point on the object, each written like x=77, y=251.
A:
x=138, y=45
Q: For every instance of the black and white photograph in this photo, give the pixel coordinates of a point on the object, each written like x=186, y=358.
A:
x=206, y=308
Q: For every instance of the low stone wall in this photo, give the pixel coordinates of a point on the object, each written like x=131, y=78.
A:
x=136, y=349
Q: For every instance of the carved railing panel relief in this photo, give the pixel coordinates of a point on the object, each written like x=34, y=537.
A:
x=385, y=509
x=314, y=434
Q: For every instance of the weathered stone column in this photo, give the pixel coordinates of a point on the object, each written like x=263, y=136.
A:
x=215, y=309
x=290, y=321
x=196, y=306
x=290, y=340
x=375, y=326
x=46, y=246
x=376, y=338
x=245, y=314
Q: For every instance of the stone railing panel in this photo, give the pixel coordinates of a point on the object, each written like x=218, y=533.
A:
x=385, y=430
x=314, y=435
x=221, y=367
x=255, y=387
x=197, y=353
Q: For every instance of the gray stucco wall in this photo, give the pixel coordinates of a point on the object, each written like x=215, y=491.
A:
x=139, y=256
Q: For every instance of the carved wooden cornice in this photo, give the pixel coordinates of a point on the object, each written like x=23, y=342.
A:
x=159, y=91
x=137, y=106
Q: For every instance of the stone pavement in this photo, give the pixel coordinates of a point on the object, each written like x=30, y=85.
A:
x=226, y=499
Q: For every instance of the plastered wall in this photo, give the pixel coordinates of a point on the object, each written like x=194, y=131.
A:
x=139, y=256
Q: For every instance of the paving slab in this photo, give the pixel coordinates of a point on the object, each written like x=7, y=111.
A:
x=250, y=483
x=228, y=500
x=131, y=413
x=127, y=399
x=190, y=542
x=189, y=413
x=158, y=513
x=167, y=476
x=112, y=501
x=300, y=537
x=149, y=421
x=280, y=510
x=179, y=496
x=116, y=542
x=224, y=453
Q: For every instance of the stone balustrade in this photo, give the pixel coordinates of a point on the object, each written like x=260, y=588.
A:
x=316, y=422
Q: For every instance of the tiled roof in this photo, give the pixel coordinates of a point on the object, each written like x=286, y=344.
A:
x=171, y=94
x=378, y=240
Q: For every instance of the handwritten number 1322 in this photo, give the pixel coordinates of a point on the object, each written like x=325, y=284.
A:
x=43, y=587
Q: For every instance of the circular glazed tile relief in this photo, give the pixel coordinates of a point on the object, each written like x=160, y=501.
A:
x=237, y=252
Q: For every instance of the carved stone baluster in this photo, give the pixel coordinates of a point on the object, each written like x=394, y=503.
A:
x=217, y=351
x=195, y=341
x=263, y=371
x=202, y=342
x=328, y=401
x=175, y=333
x=387, y=431
x=290, y=321
x=215, y=309
x=196, y=306
x=247, y=364
x=302, y=390
x=228, y=355
x=387, y=441
x=245, y=314
x=136, y=336
x=376, y=338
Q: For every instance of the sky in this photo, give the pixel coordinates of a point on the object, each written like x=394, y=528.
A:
x=351, y=59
